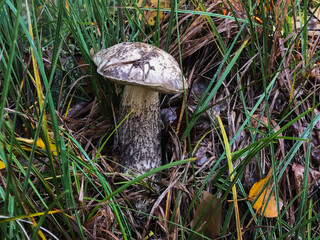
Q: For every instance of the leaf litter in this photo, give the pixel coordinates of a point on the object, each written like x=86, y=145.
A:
x=88, y=123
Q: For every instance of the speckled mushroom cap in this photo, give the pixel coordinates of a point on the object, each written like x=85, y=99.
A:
x=140, y=64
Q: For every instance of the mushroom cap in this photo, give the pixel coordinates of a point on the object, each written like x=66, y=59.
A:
x=140, y=64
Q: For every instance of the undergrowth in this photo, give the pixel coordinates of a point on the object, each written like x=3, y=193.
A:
x=252, y=105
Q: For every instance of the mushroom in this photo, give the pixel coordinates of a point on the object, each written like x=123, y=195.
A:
x=145, y=71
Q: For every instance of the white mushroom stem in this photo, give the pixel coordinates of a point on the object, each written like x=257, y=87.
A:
x=139, y=136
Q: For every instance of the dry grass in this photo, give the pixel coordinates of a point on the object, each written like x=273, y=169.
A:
x=288, y=78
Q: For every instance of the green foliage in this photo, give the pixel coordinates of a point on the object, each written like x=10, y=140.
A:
x=60, y=187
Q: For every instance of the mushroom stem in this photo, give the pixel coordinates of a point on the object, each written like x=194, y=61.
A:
x=139, y=136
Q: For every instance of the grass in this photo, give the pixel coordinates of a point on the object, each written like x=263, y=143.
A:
x=247, y=62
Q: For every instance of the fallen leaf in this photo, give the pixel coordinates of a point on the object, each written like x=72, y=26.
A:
x=151, y=15
x=2, y=166
x=40, y=144
x=260, y=205
x=298, y=172
x=210, y=223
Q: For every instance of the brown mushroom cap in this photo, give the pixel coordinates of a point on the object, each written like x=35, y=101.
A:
x=141, y=64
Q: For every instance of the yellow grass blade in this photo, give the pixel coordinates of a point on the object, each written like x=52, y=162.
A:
x=40, y=98
x=234, y=190
x=37, y=81
x=28, y=216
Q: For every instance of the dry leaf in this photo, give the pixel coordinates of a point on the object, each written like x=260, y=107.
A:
x=260, y=206
x=40, y=144
x=2, y=166
x=211, y=229
x=298, y=171
x=151, y=15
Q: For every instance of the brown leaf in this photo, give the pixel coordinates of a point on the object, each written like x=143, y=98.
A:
x=298, y=171
x=212, y=216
